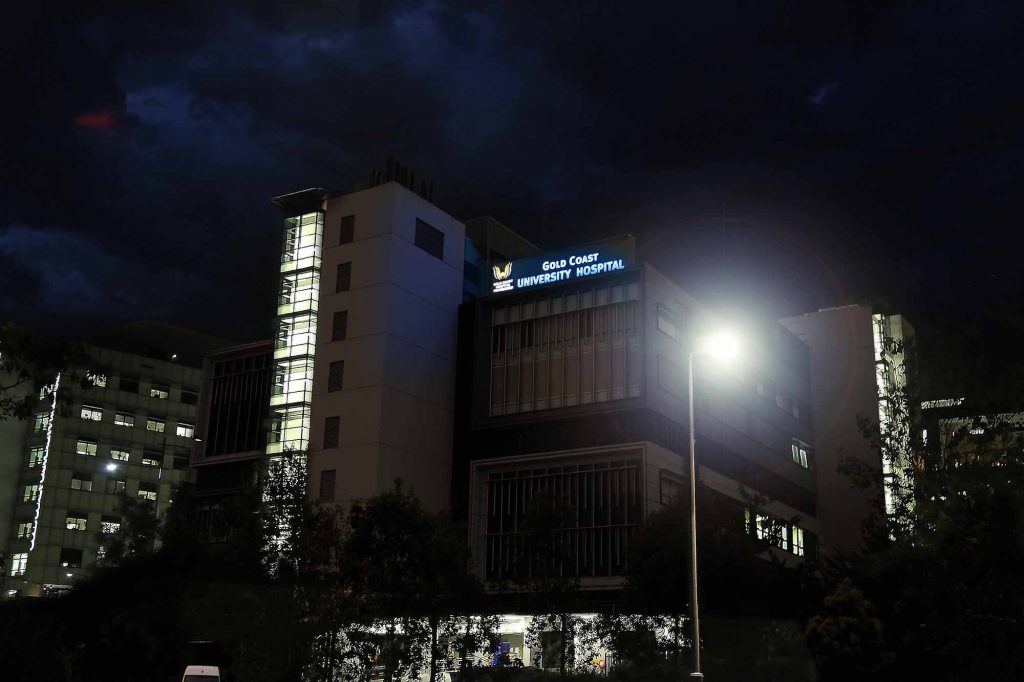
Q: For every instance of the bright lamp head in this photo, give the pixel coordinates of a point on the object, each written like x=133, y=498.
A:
x=722, y=346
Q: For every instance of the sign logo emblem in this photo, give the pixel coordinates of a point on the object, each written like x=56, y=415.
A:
x=502, y=278
x=501, y=273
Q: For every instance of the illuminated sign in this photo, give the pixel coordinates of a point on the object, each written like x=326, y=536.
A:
x=582, y=261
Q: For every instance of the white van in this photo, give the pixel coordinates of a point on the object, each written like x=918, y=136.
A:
x=201, y=673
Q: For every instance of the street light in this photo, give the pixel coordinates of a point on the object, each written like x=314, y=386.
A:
x=721, y=346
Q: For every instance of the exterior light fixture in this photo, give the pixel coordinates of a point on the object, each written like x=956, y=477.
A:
x=111, y=467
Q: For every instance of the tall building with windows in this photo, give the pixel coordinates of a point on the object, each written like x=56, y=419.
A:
x=128, y=431
x=364, y=355
x=862, y=368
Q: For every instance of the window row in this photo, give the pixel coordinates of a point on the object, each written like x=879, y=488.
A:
x=113, y=486
x=154, y=423
x=150, y=456
x=83, y=482
x=131, y=384
x=616, y=322
x=427, y=237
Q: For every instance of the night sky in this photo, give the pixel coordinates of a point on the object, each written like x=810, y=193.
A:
x=771, y=157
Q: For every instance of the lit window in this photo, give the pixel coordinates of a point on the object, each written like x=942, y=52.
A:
x=96, y=379
x=30, y=493
x=154, y=424
x=119, y=455
x=798, y=540
x=185, y=430
x=25, y=529
x=45, y=391
x=35, y=456
x=147, y=492
x=81, y=482
x=42, y=420
x=86, y=447
x=772, y=531
x=19, y=562
x=158, y=391
x=124, y=419
x=110, y=525
x=92, y=413
x=76, y=522
x=152, y=459
x=115, y=485
x=799, y=453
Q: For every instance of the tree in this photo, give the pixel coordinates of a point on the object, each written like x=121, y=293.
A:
x=404, y=568
x=847, y=638
x=28, y=364
x=743, y=584
x=135, y=538
x=469, y=634
x=942, y=566
x=543, y=569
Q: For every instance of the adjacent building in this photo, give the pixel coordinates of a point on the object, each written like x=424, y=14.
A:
x=127, y=431
x=862, y=385
x=230, y=448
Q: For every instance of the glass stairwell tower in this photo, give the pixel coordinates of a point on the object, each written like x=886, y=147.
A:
x=291, y=395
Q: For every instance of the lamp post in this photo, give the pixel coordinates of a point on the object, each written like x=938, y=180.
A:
x=723, y=347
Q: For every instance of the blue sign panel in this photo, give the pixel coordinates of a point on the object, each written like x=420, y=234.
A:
x=551, y=268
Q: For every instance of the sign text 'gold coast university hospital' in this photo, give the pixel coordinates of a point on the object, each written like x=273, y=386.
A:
x=584, y=261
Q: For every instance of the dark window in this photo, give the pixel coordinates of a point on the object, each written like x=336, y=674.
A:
x=180, y=462
x=70, y=557
x=430, y=239
x=336, y=376
x=189, y=397
x=327, y=479
x=129, y=384
x=340, y=329
x=667, y=323
x=332, y=425
x=348, y=229
x=344, y=282
x=115, y=486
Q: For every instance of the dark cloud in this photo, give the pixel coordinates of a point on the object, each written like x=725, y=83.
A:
x=771, y=157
